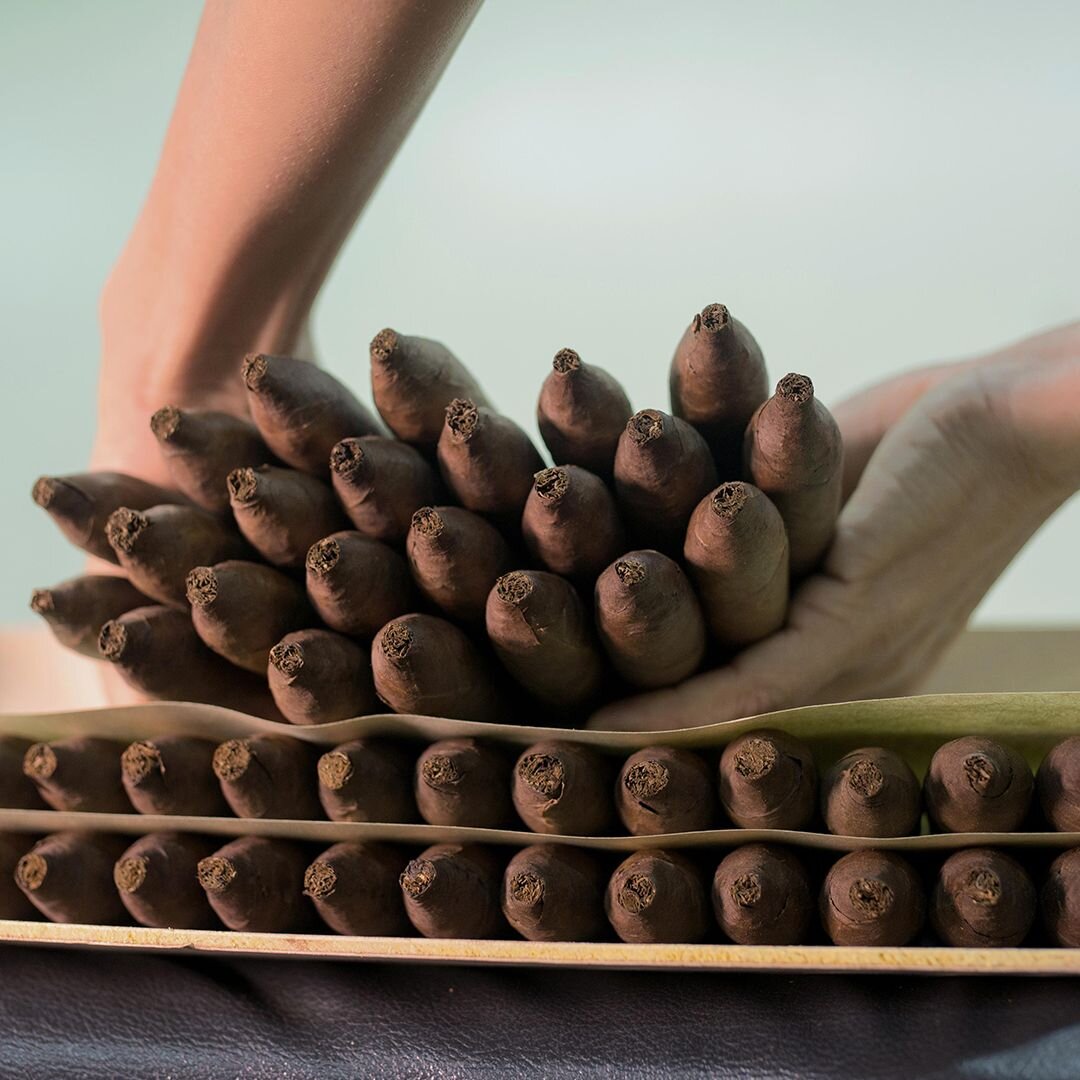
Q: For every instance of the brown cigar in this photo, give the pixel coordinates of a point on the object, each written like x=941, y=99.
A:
x=13, y=901
x=795, y=454
x=156, y=651
x=317, y=677
x=355, y=584
x=380, y=482
x=413, y=380
x=257, y=884
x=81, y=504
x=268, y=776
x=1057, y=784
x=171, y=774
x=871, y=792
x=553, y=892
x=427, y=666
x=355, y=890
x=68, y=878
x=301, y=410
x=717, y=380
x=17, y=790
x=1060, y=899
x=982, y=897
x=455, y=557
x=452, y=891
x=977, y=785
x=563, y=788
x=736, y=553
x=768, y=780
x=464, y=782
x=571, y=524
x=282, y=512
x=761, y=896
x=664, y=790
x=156, y=879
x=663, y=469
x=201, y=447
x=367, y=780
x=657, y=896
x=872, y=898
x=242, y=609
x=649, y=620
x=487, y=460
x=543, y=636
x=77, y=609
x=78, y=773
x=157, y=547
x=581, y=413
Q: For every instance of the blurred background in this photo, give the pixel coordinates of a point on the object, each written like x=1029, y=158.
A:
x=869, y=186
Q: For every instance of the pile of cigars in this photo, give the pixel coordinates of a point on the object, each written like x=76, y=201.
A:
x=307, y=565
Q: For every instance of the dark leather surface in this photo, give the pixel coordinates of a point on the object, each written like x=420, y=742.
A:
x=65, y=1013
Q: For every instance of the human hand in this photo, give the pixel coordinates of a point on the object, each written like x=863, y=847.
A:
x=951, y=470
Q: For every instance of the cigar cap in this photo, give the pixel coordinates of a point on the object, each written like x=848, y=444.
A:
x=202, y=587
x=645, y=426
x=796, y=389
x=124, y=527
x=130, y=873
x=439, y=771
x=216, y=873
x=165, y=423
x=729, y=499
x=39, y=762
x=514, y=588
x=462, y=418
x=139, y=760
x=288, y=658
x=31, y=871
x=551, y=484
x=232, y=758
x=243, y=484
x=335, y=769
x=565, y=361
x=631, y=571
x=418, y=876
x=44, y=491
x=396, y=641
x=428, y=522
x=323, y=555
x=112, y=640
x=41, y=601
x=756, y=758
x=713, y=319
x=253, y=370
x=383, y=345
x=646, y=779
x=347, y=457
x=320, y=880
x=544, y=773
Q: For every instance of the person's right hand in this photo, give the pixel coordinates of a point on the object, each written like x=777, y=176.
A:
x=951, y=470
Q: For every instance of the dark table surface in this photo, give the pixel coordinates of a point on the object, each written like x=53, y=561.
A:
x=68, y=1013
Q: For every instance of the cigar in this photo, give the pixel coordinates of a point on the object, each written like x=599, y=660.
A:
x=563, y=788
x=256, y=884
x=464, y=782
x=487, y=461
x=268, y=776
x=317, y=677
x=157, y=547
x=982, y=898
x=1057, y=784
x=13, y=901
x=201, y=447
x=657, y=896
x=544, y=638
x=768, y=780
x=581, y=413
x=17, y=790
x=761, y=896
x=649, y=620
x=379, y=483
x=663, y=469
x=455, y=557
x=367, y=780
x=977, y=785
x=171, y=774
x=156, y=881
x=664, y=790
x=68, y=877
x=553, y=892
x=717, y=381
x=872, y=898
x=413, y=380
x=301, y=411
x=736, y=552
x=571, y=524
x=242, y=609
x=795, y=454
x=157, y=651
x=354, y=888
x=282, y=512
x=355, y=584
x=871, y=792
x=77, y=609
x=426, y=666
x=78, y=773
x=1060, y=899
x=81, y=504
x=452, y=891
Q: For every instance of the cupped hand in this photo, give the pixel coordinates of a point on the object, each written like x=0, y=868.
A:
x=950, y=471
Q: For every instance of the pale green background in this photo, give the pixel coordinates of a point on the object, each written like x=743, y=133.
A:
x=870, y=186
